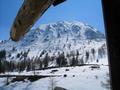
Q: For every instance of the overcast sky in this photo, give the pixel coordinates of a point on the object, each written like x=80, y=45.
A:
x=87, y=11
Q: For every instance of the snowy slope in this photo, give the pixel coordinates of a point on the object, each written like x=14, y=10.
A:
x=62, y=36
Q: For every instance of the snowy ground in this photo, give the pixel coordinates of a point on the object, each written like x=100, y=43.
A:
x=77, y=78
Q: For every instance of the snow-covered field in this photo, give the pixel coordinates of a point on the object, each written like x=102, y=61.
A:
x=77, y=78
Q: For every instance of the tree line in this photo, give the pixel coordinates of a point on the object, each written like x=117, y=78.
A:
x=39, y=62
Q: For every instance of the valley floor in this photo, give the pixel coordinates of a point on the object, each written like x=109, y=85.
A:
x=72, y=78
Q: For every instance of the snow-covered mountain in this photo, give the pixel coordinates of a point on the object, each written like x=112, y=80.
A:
x=54, y=38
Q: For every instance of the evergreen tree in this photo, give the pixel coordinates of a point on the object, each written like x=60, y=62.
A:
x=18, y=55
x=58, y=61
x=63, y=60
x=87, y=56
x=2, y=54
x=2, y=57
x=77, y=53
x=93, y=52
x=73, y=62
x=40, y=63
x=97, y=60
x=1, y=66
x=76, y=60
x=28, y=64
x=46, y=60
